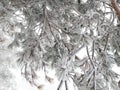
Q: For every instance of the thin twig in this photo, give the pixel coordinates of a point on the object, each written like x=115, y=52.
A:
x=92, y=65
x=74, y=52
x=59, y=86
x=93, y=49
x=95, y=79
x=107, y=37
x=66, y=86
x=89, y=57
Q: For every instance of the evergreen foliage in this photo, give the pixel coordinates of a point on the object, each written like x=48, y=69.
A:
x=52, y=32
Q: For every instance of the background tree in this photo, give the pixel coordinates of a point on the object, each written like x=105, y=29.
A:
x=51, y=32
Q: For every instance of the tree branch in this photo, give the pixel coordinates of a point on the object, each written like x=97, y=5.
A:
x=115, y=7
